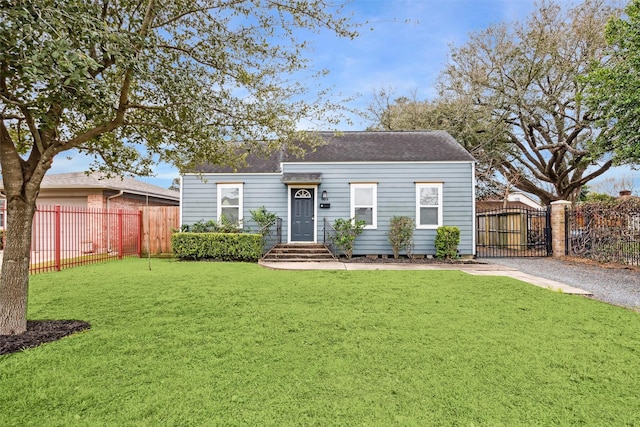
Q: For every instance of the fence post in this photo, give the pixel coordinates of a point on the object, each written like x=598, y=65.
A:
x=140, y=232
x=567, y=231
x=324, y=230
x=120, y=232
x=558, y=227
x=57, y=230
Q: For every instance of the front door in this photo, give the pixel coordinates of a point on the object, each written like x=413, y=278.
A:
x=302, y=210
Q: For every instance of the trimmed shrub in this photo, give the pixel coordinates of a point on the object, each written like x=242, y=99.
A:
x=345, y=233
x=401, y=234
x=211, y=226
x=447, y=241
x=217, y=246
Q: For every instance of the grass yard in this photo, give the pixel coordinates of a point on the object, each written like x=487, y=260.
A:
x=237, y=345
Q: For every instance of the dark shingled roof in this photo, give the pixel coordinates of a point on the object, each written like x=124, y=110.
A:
x=405, y=146
x=306, y=178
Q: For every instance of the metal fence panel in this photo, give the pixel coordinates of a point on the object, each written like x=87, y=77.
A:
x=513, y=232
x=604, y=233
x=67, y=236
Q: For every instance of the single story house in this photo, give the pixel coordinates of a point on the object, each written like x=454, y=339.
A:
x=95, y=191
x=516, y=199
x=89, y=206
x=425, y=175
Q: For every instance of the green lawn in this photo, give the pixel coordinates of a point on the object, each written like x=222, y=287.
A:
x=234, y=344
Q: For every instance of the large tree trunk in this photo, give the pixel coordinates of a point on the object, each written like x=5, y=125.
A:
x=14, y=277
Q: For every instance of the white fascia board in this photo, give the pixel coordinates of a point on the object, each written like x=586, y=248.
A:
x=233, y=173
x=380, y=162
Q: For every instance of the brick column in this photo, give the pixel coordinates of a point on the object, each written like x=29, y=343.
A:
x=558, y=241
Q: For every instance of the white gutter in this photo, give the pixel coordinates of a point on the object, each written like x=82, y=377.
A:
x=120, y=193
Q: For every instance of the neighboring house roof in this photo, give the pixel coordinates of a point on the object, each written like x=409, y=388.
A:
x=490, y=205
x=514, y=200
x=409, y=146
x=80, y=180
x=525, y=199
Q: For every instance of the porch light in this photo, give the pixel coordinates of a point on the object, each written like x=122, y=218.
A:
x=325, y=195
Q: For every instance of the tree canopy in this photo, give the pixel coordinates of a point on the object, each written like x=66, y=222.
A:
x=613, y=91
x=134, y=82
x=121, y=79
x=513, y=95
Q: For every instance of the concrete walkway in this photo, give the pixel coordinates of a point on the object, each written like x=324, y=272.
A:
x=476, y=269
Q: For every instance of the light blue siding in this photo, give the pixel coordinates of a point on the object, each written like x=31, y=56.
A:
x=199, y=196
x=396, y=195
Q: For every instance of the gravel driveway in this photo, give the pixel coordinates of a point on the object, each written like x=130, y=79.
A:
x=619, y=286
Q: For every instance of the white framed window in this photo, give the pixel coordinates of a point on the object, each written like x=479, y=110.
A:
x=364, y=201
x=230, y=202
x=428, y=205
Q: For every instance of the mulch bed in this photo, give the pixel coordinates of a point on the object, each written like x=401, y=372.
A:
x=406, y=260
x=40, y=332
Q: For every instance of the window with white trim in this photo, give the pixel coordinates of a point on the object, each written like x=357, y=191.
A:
x=230, y=202
x=364, y=204
x=428, y=205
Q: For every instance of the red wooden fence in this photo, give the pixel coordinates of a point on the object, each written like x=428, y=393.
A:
x=68, y=236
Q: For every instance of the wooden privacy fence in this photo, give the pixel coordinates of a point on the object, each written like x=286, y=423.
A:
x=158, y=223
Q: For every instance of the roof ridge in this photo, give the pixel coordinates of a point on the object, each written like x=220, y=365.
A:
x=362, y=146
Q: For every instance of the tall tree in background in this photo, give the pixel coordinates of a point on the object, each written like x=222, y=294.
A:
x=466, y=124
x=513, y=97
x=135, y=81
x=614, y=185
x=613, y=91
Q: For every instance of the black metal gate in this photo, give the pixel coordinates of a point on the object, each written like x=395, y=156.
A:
x=513, y=232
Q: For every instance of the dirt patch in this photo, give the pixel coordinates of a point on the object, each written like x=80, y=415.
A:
x=594, y=263
x=40, y=332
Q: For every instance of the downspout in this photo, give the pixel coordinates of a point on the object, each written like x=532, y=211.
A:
x=120, y=193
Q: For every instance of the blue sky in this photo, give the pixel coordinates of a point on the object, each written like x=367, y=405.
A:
x=403, y=44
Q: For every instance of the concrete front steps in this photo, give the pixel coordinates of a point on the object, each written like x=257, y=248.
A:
x=299, y=252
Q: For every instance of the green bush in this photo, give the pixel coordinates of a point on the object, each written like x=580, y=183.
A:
x=217, y=246
x=599, y=198
x=345, y=233
x=401, y=234
x=447, y=241
x=264, y=219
